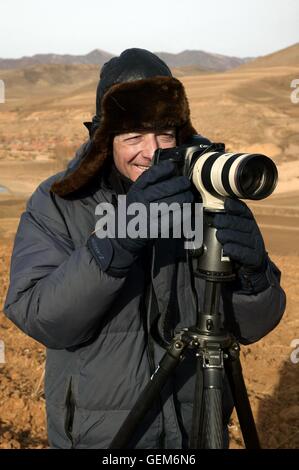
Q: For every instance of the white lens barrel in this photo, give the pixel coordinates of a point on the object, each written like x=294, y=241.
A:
x=216, y=173
x=233, y=171
x=209, y=200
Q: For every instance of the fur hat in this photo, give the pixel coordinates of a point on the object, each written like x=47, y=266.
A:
x=140, y=97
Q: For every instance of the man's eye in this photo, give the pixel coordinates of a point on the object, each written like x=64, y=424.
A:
x=166, y=136
x=133, y=138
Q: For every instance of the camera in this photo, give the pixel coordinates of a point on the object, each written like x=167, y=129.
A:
x=217, y=174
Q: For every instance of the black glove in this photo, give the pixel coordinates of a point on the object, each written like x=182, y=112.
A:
x=158, y=184
x=242, y=241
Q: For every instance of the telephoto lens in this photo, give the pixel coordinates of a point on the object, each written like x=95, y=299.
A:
x=217, y=175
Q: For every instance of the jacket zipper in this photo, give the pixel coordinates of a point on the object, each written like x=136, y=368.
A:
x=150, y=347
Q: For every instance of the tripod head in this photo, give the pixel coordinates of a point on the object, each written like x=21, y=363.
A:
x=211, y=264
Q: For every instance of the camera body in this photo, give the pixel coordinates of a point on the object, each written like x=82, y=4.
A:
x=217, y=174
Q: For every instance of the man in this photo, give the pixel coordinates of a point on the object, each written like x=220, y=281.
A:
x=92, y=302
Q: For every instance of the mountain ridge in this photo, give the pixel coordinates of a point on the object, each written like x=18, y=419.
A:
x=197, y=58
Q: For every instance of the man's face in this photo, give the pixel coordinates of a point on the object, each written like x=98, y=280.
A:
x=133, y=152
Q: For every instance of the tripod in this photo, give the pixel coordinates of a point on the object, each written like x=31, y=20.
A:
x=217, y=352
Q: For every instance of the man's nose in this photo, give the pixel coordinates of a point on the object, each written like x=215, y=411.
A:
x=150, y=146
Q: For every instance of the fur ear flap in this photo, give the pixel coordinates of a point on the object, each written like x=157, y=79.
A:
x=148, y=104
x=88, y=167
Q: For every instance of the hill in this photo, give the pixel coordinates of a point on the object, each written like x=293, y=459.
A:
x=97, y=56
x=201, y=59
x=286, y=57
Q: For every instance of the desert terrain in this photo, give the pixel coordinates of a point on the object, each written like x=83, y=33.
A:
x=248, y=108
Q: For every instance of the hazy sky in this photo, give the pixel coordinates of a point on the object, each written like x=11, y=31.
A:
x=232, y=27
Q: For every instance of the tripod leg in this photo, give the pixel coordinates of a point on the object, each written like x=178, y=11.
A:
x=168, y=363
x=241, y=400
x=211, y=428
x=211, y=433
x=197, y=407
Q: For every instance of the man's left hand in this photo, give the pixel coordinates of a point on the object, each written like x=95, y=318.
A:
x=240, y=236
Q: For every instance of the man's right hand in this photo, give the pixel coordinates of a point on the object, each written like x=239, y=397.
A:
x=156, y=185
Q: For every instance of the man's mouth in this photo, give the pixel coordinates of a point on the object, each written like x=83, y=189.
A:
x=142, y=167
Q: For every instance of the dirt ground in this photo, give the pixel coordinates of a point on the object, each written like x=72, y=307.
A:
x=249, y=110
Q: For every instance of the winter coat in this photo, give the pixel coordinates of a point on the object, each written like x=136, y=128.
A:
x=96, y=327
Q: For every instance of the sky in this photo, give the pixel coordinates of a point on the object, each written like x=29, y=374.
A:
x=241, y=28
